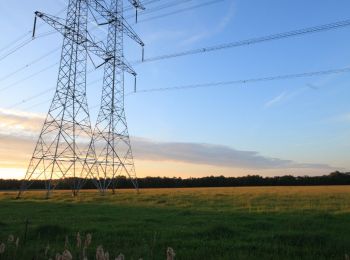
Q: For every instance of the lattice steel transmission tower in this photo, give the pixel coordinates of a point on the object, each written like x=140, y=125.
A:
x=111, y=136
x=67, y=147
x=63, y=145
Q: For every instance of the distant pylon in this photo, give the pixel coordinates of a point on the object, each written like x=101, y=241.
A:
x=62, y=150
x=111, y=137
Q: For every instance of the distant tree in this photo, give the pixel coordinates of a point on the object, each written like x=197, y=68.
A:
x=334, y=178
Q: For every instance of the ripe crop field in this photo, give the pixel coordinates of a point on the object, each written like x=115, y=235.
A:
x=199, y=223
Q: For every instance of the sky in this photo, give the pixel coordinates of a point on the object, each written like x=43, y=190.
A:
x=295, y=126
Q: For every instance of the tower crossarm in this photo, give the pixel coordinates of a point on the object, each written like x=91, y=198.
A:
x=137, y=4
x=79, y=38
x=100, y=7
x=131, y=33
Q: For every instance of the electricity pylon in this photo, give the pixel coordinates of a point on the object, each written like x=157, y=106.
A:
x=62, y=150
x=111, y=137
x=66, y=145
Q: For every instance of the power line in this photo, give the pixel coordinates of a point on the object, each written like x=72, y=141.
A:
x=28, y=64
x=252, y=80
x=161, y=7
x=30, y=98
x=147, y=11
x=15, y=41
x=16, y=48
x=278, y=36
x=36, y=105
x=35, y=60
x=314, y=29
x=149, y=2
x=40, y=103
x=34, y=74
x=181, y=10
x=23, y=44
x=29, y=33
x=212, y=84
x=143, y=2
x=29, y=77
x=37, y=73
x=26, y=100
x=25, y=35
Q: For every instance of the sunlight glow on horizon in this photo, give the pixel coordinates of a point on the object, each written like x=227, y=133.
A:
x=12, y=173
x=185, y=170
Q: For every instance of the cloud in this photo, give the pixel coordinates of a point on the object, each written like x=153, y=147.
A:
x=153, y=37
x=287, y=96
x=16, y=146
x=209, y=154
x=344, y=118
x=15, y=150
x=275, y=100
x=225, y=21
x=19, y=122
x=221, y=26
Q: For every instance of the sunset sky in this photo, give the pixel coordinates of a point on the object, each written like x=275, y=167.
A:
x=296, y=126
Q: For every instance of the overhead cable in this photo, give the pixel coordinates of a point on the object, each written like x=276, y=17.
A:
x=181, y=10
x=278, y=36
x=252, y=80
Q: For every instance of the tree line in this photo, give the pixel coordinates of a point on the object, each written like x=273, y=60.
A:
x=334, y=178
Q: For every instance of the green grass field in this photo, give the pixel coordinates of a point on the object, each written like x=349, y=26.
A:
x=205, y=223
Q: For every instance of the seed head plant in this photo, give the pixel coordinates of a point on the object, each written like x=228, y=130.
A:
x=80, y=252
x=47, y=248
x=120, y=257
x=66, y=242
x=88, y=240
x=170, y=254
x=78, y=240
x=106, y=256
x=100, y=255
x=11, y=239
x=67, y=255
x=2, y=248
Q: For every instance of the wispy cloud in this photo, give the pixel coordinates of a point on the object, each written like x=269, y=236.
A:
x=288, y=95
x=153, y=37
x=275, y=100
x=219, y=27
x=343, y=118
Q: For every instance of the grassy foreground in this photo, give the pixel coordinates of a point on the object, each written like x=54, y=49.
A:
x=201, y=223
